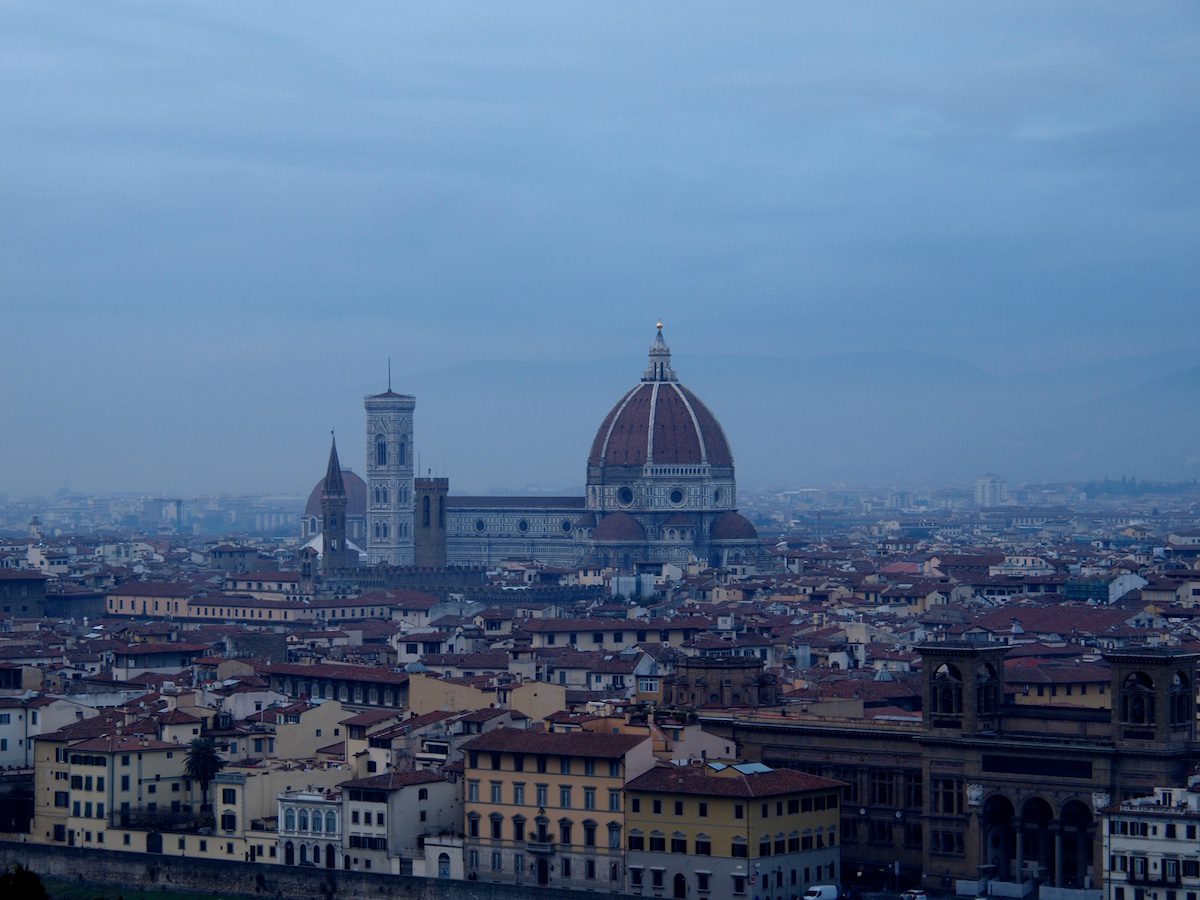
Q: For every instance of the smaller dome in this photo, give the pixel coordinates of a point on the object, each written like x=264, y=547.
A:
x=356, y=496
x=619, y=526
x=732, y=526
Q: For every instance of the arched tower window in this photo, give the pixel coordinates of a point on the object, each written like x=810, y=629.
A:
x=1137, y=700
x=384, y=493
x=946, y=695
x=987, y=693
x=425, y=511
x=403, y=454
x=381, y=451
x=441, y=512
x=385, y=529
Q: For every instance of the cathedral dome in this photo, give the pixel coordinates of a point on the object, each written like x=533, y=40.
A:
x=660, y=422
x=356, y=496
x=733, y=526
x=619, y=526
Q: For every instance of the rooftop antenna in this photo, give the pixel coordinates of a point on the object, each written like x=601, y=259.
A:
x=389, y=374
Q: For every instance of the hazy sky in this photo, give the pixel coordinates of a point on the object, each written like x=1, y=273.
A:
x=220, y=219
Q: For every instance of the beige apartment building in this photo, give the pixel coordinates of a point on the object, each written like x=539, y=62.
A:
x=717, y=830
x=547, y=808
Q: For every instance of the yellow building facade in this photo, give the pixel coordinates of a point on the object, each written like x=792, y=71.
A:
x=548, y=808
x=716, y=830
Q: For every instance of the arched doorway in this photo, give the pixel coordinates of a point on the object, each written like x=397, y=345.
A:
x=330, y=857
x=443, y=865
x=680, y=892
x=543, y=871
x=1076, y=825
x=289, y=854
x=1038, y=844
x=999, y=846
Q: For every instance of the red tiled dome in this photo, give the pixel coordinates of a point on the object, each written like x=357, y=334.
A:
x=661, y=423
x=732, y=526
x=619, y=526
x=356, y=496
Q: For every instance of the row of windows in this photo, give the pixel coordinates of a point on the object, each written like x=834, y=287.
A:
x=566, y=526
x=542, y=795
x=637, y=879
x=381, y=452
x=566, y=766
x=790, y=807
x=618, y=637
x=739, y=847
x=567, y=869
x=540, y=832
x=301, y=821
x=1139, y=866
x=382, y=530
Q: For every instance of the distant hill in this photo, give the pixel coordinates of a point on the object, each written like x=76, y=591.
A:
x=856, y=417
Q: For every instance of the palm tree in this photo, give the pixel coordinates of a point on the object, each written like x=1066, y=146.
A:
x=204, y=764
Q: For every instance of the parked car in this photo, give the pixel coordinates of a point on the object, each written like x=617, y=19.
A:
x=914, y=894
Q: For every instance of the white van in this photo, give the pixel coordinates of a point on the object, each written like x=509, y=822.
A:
x=822, y=892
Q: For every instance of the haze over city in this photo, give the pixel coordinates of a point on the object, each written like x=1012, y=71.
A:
x=889, y=243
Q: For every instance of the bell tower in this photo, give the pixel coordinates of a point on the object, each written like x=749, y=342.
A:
x=337, y=553
x=390, y=477
x=964, y=686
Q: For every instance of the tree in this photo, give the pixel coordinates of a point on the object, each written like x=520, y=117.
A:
x=19, y=881
x=203, y=764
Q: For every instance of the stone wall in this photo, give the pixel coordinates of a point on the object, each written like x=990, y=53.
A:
x=146, y=871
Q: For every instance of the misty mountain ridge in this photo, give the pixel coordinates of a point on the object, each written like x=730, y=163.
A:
x=854, y=417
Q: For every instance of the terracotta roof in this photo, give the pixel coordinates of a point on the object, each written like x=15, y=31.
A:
x=333, y=670
x=619, y=526
x=121, y=743
x=659, y=423
x=733, y=526
x=688, y=780
x=390, y=781
x=581, y=743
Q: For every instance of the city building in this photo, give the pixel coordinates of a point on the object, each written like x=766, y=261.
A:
x=981, y=784
x=660, y=488
x=992, y=490
x=708, y=829
x=1152, y=845
x=387, y=818
x=548, y=808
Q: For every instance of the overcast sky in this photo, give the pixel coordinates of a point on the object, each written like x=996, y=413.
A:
x=219, y=220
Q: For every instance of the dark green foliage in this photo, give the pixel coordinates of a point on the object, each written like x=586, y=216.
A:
x=203, y=764
x=18, y=881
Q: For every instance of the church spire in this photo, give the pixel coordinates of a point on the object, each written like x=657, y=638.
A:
x=659, y=367
x=334, y=486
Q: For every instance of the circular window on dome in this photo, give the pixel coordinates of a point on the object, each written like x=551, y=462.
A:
x=676, y=496
x=480, y=525
x=523, y=526
x=625, y=496
x=567, y=526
